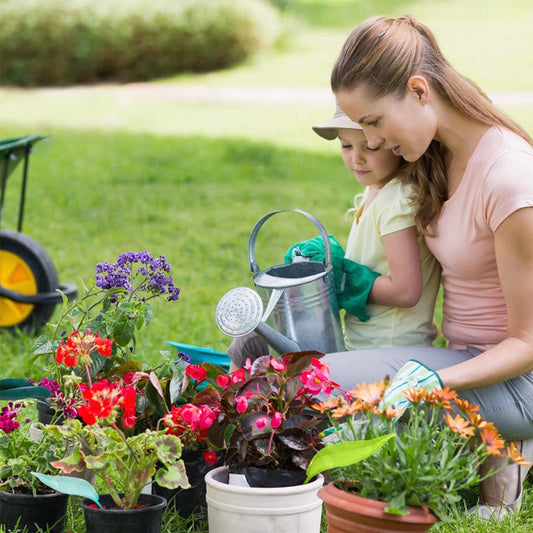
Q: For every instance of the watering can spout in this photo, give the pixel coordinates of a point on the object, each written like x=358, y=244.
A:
x=277, y=340
x=240, y=311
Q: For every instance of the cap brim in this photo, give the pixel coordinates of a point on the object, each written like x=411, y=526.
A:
x=330, y=129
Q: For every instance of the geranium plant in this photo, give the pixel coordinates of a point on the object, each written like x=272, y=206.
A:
x=104, y=441
x=115, y=305
x=263, y=415
x=424, y=457
x=20, y=454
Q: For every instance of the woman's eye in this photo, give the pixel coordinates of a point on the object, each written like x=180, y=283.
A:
x=374, y=123
x=372, y=149
x=345, y=146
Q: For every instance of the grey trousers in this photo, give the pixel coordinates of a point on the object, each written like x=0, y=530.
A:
x=509, y=404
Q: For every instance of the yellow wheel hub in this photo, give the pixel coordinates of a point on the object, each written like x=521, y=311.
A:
x=15, y=275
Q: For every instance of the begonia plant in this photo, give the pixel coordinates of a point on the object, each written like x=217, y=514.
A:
x=263, y=415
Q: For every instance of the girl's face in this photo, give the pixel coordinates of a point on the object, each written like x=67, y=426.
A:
x=370, y=166
x=405, y=125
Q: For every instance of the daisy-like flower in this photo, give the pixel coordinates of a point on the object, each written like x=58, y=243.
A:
x=416, y=395
x=460, y=425
x=494, y=443
x=350, y=409
x=466, y=406
x=371, y=394
x=516, y=456
x=330, y=403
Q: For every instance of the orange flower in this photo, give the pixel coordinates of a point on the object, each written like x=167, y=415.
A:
x=330, y=403
x=347, y=410
x=443, y=397
x=391, y=412
x=416, y=395
x=371, y=394
x=466, y=406
x=460, y=425
x=493, y=441
x=516, y=456
x=479, y=422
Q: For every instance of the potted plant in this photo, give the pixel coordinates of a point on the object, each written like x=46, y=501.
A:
x=24, y=500
x=419, y=466
x=269, y=432
x=116, y=304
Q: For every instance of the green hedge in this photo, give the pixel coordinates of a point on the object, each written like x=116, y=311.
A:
x=63, y=42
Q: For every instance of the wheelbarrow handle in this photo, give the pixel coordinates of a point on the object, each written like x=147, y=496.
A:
x=53, y=297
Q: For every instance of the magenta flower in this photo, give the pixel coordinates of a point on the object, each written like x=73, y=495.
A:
x=241, y=404
x=276, y=420
x=261, y=422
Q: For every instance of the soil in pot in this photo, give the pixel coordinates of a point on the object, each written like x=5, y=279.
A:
x=146, y=518
x=44, y=512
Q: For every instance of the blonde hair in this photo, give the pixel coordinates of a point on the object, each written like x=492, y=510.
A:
x=382, y=54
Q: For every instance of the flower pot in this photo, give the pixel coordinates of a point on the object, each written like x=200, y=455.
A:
x=348, y=513
x=255, y=510
x=147, y=518
x=44, y=512
x=190, y=501
x=48, y=415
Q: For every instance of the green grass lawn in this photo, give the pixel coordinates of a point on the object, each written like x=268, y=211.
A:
x=123, y=171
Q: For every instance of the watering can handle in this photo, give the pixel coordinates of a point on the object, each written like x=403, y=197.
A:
x=254, y=267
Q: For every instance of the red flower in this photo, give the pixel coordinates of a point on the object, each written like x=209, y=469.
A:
x=77, y=349
x=210, y=457
x=196, y=372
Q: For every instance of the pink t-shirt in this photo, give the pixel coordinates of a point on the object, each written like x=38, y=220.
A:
x=498, y=180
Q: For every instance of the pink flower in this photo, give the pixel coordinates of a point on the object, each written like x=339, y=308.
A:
x=207, y=417
x=196, y=372
x=261, y=422
x=276, y=420
x=311, y=382
x=241, y=404
x=277, y=365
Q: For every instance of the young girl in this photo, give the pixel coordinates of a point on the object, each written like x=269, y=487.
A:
x=384, y=238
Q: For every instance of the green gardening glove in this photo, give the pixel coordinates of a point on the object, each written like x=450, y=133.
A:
x=353, y=281
x=412, y=374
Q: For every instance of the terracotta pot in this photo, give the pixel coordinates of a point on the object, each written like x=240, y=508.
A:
x=349, y=513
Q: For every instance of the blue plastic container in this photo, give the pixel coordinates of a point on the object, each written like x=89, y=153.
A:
x=200, y=355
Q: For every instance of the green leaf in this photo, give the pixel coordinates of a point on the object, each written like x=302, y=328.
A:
x=344, y=454
x=16, y=389
x=70, y=485
x=397, y=505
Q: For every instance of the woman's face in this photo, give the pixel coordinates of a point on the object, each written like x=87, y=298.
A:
x=405, y=125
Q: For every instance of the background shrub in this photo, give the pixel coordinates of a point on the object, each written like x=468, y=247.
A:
x=63, y=42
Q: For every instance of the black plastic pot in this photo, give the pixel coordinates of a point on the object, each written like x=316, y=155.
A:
x=147, y=518
x=44, y=512
x=187, y=502
x=47, y=415
x=263, y=477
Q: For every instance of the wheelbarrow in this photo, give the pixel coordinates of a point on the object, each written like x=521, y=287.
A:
x=29, y=287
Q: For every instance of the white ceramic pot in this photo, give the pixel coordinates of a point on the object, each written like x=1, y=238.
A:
x=232, y=508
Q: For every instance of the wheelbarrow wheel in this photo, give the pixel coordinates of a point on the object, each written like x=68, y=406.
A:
x=26, y=268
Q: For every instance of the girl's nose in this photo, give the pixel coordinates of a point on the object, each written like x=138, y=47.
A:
x=358, y=157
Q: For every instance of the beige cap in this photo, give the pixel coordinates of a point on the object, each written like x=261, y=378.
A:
x=330, y=129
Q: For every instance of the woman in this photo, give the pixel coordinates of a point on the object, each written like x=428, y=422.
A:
x=474, y=170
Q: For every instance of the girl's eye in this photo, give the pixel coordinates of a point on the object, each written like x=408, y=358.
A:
x=374, y=123
x=345, y=146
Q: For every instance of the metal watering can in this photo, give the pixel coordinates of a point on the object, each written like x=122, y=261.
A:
x=301, y=311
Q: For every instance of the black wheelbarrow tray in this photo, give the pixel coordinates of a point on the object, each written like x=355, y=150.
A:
x=29, y=287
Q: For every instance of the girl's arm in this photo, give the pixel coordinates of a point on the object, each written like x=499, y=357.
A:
x=513, y=356
x=403, y=287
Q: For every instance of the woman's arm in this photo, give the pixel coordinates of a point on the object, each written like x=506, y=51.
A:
x=403, y=287
x=514, y=355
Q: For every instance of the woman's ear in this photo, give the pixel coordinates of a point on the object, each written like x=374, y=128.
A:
x=419, y=88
